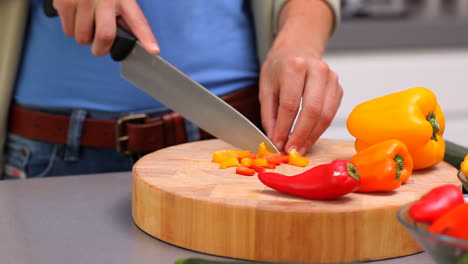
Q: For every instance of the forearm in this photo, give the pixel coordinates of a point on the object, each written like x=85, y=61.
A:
x=306, y=22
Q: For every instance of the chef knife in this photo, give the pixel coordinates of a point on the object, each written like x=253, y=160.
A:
x=170, y=86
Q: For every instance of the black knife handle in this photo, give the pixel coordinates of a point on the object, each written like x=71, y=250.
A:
x=123, y=43
x=49, y=9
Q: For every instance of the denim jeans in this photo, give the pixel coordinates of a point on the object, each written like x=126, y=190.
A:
x=26, y=158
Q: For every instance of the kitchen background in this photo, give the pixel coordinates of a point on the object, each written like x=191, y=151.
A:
x=384, y=46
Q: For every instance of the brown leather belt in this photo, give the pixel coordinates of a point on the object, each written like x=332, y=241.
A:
x=129, y=134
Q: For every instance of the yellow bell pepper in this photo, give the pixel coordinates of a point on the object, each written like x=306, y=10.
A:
x=412, y=116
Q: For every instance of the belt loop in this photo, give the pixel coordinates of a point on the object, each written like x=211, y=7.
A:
x=72, y=148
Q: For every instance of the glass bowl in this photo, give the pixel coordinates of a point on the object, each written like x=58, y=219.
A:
x=463, y=179
x=443, y=249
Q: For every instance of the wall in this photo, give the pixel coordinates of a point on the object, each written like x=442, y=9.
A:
x=369, y=74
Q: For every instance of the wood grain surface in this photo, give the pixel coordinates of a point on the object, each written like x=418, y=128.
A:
x=181, y=197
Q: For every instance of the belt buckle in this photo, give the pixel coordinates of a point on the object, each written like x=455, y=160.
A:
x=120, y=137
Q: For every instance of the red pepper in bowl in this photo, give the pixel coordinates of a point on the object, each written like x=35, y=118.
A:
x=452, y=223
x=322, y=182
x=436, y=203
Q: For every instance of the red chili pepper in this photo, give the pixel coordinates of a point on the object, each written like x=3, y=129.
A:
x=436, y=202
x=452, y=223
x=322, y=182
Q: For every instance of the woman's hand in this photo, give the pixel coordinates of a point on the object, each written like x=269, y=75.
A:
x=94, y=22
x=294, y=72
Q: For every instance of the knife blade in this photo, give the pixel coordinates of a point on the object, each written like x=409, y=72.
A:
x=173, y=88
x=170, y=86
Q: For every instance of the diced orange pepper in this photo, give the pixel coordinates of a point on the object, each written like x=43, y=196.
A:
x=230, y=161
x=277, y=158
x=263, y=151
x=246, y=162
x=220, y=155
x=270, y=166
x=258, y=168
x=240, y=153
x=296, y=159
x=245, y=171
x=260, y=162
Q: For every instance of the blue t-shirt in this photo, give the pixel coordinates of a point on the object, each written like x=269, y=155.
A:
x=211, y=41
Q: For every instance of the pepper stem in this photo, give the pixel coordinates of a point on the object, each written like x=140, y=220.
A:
x=400, y=162
x=435, y=125
x=352, y=171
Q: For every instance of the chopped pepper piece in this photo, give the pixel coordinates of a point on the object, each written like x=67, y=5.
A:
x=229, y=161
x=277, y=158
x=220, y=155
x=246, y=162
x=263, y=151
x=296, y=159
x=240, y=153
x=260, y=162
x=258, y=169
x=245, y=171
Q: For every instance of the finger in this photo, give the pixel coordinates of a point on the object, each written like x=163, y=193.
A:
x=84, y=22
x=66, y=11
x=134, y=17
x=105, y=28
x=292, y=81
x=312, y=104
x=332, y=101
x=268, y=97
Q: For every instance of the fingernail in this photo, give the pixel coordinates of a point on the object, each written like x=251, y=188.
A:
x=155, y=48
x=279, y=145
x=291, y=148
x=302, y=151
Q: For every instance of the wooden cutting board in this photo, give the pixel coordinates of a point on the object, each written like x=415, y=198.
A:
x=181, y=197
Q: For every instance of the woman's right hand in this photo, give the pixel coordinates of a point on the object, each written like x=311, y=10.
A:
x=95, y=22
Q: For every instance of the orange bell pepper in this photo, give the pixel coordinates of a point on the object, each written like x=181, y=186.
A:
x=412, y=116
x=383, y=166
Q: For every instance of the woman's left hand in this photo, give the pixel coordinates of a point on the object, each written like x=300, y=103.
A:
x=295, y=81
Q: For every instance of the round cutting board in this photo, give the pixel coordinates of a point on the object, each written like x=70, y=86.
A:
x=181, y=197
